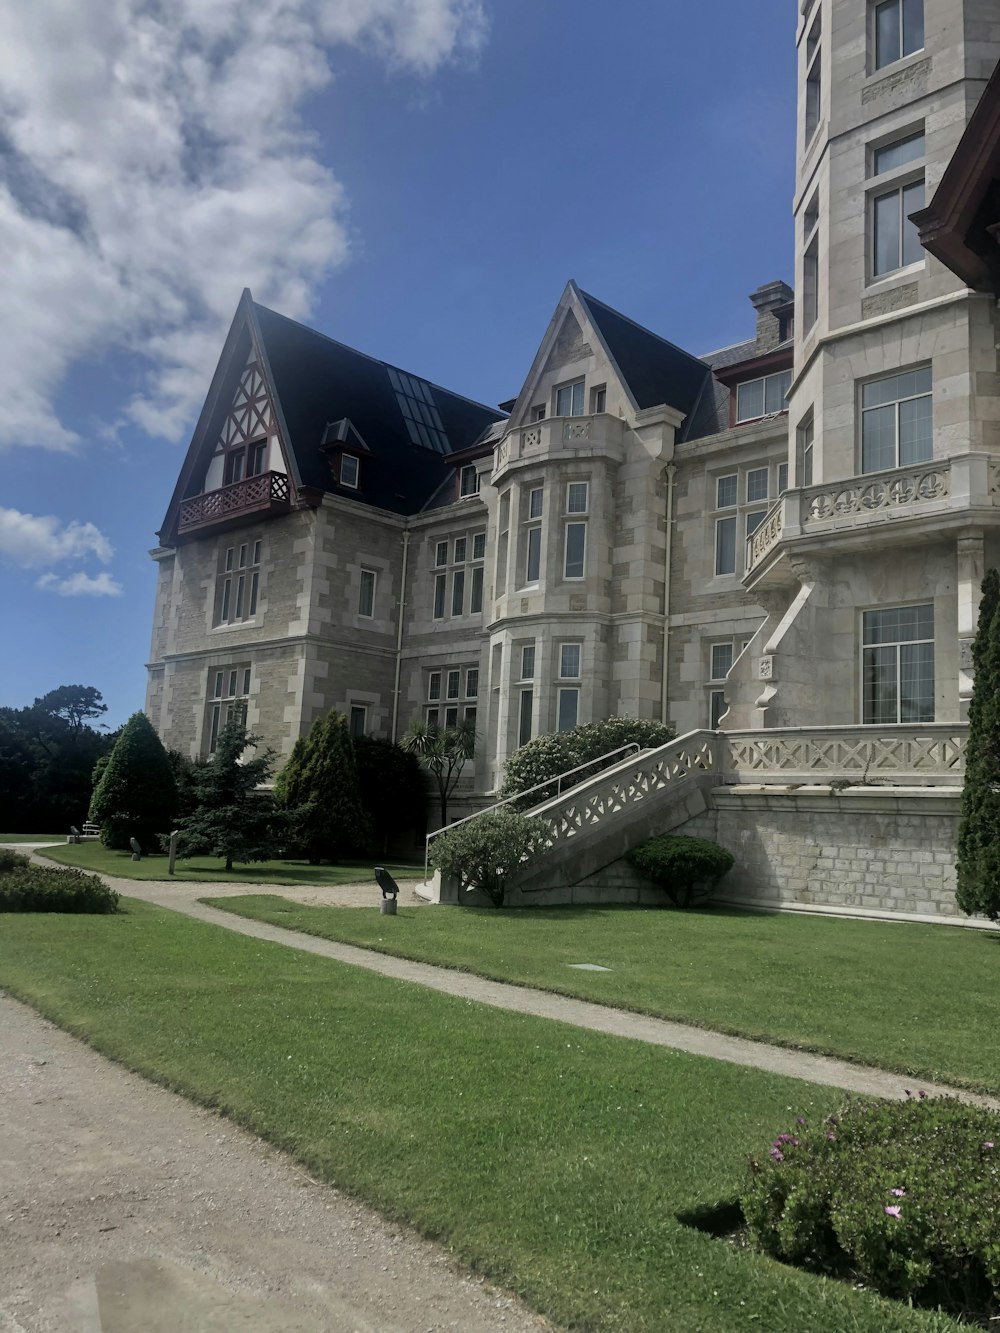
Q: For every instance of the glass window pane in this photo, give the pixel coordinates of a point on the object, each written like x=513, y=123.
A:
x=717, y=708
x=916, y=682
x=725, y=546
x=774, y=393
x=476, y=592
x=879, y=671
x=454, y=682
x=577, y=497
x=458, y=592
x=899, y=153
x=524, y=721
x=441, y=553
x=722, y=660
x=754, y=520
x=916, y=443
x=460, y=547
x=578, y=399
x=533, y=566
x=576, y=539
x=782, y=478
x=535, y=500
x=439, y=596
x=528, y=661
x=913, y=199
x=750, y=400
x=479, y=546
x=569, y=708
x=886, y=255
x=569, y=661
x=472, y=682
x=887, y=34
x=358, y=717
x=756, y=484
x=434, y=685
x=878, y=439
x=913, y=26
x=726, y=491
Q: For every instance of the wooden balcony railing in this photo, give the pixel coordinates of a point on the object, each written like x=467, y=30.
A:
x=267, y=493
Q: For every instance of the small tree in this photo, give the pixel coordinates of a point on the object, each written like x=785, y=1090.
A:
x=978, y=868
x=444, y=754
x=136, y=796
x=318, y=790
x=392, y=788
x=485, y=852
x=234, y=818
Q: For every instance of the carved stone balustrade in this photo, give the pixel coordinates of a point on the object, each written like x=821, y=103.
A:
x=929, y=754
x=261, y=496
x=559, y=437
x=882, y=491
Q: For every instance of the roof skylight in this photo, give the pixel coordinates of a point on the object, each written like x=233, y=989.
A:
x=423, y=421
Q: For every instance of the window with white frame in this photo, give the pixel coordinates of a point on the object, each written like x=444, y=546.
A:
x=568, y=709
x=762, y=397
x=577, y=497
x=569, y=400
x=450, y=692
x=458, y=592
x=441, y=553
x=358, y=719
x=440, y=595
x=570, y=656
x=726, y=497
x=742, y=499
x=476, y=583
x=538, y=412
x=228, y=692
x=897, y=665
x=897, y=420
x=894, y=239
x=897, y=30
x=237, y=583
x=782, y=478
x=720, y=663
x=598, y=399
x=575, y=554
x=349, y=470
x=531, y=542
x=460, y=548
x=366, y=593
x=527, y=661
x=468, y=481
x=471, y=682
x=805, y=435
x=525, y=715
x=503, y=532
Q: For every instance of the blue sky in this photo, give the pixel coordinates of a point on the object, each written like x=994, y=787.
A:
x=417, y=178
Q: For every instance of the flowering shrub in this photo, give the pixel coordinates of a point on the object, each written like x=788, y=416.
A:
x=688, y=869
x=485, y=852
x=904, y=1196
x=557, y=752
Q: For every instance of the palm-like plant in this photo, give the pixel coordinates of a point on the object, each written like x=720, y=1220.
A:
x=443, y=752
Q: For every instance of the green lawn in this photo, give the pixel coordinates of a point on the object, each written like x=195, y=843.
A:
x=206, y=869
x=918, y=999
x=31, y=837
x=554, y=1160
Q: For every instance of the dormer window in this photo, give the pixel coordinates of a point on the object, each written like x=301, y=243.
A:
x=468, y=481
x=349, y=470
x=569, y=400
x=762, y=397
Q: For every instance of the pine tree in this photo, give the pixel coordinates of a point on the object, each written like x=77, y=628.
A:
x=234, y=818
x=334, y=824
x=136, y=796
x=978, y=887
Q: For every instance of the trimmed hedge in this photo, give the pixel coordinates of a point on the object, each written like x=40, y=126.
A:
x=31, y=888
x=485, y=852
x=687, y=869
x=901, y=1195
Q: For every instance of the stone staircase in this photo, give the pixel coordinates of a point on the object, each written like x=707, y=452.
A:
x=598, y=821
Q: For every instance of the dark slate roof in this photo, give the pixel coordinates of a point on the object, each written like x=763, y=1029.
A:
x=656, y=371
x=319, y=381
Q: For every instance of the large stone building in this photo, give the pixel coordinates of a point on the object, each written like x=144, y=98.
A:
x=784, y=535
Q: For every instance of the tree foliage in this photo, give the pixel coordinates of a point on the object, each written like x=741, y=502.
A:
x=687, y=869
x=392, y=789
x=558, y=752
x=486, y=852
x=136, y=796
x=978, y=887
x=47, y=756
x=444, y=754
x=318, y=790
x=233, y=818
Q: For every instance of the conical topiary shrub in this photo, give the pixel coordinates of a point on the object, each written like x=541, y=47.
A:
x=136, y=796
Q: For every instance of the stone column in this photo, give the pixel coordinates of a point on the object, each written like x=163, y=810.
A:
x=969, y=583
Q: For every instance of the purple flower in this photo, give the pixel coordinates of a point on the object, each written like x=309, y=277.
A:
x=988, y=1143
x=777, y=1154
x=893, y=1210
x=831, y=1137
x=801, y=1120
x=898, y=1192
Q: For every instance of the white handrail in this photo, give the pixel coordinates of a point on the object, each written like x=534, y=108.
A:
x=632, y=746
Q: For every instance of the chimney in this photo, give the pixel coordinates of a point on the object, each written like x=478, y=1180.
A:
x=772, y=303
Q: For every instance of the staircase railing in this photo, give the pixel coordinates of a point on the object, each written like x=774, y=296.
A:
x=633, y=747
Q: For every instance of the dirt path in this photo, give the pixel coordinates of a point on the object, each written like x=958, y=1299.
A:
x=125, y=1209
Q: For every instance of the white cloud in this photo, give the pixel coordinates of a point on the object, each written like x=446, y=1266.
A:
x=33, y=539
x=81, y=585
x=156, y=163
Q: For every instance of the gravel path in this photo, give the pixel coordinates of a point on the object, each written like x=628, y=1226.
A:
x=125, y=1209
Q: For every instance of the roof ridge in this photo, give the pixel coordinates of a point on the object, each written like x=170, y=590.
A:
x=586, y=296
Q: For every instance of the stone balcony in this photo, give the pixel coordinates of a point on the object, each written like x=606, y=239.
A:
x=558, y=438
x=262, y=496
x=895, y=507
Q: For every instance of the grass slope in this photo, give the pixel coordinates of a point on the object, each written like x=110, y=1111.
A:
x=6, y=838
x=208, y=869
x=911, y=998
x=553, y=1160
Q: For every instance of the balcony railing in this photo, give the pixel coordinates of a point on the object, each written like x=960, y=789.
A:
x=599, y=432
x=265, y=494
x=882, y=491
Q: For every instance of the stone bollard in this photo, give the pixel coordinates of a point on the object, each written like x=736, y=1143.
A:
x=172, y=855
x=388, y=907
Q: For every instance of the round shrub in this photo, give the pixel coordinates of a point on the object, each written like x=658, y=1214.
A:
x=11, y=860
x=36, y=889
x=559, y=751
x=901, y=1195
x=484, y=853
x=687, y=869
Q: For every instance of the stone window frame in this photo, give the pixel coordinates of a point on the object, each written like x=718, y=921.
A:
x=896, y=374
x=237, y=583
x=227, y=689
x=866, y=647
x=875, y=7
